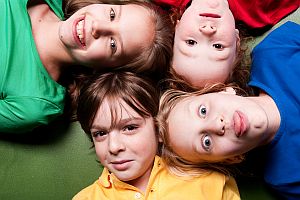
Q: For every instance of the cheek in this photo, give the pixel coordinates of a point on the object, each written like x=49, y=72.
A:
x=101, y=152
x=97, y=53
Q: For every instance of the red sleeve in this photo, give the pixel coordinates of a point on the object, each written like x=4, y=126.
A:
x=174, y=3
x=262, y=13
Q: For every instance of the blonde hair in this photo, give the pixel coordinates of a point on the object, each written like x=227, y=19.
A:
x=175, y=163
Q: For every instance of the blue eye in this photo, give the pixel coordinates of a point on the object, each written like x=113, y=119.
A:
x=202, y=111
x=206, y=142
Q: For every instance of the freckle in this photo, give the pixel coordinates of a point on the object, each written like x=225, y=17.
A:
x=40, y=20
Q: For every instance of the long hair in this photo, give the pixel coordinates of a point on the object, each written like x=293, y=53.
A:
x=175, y=163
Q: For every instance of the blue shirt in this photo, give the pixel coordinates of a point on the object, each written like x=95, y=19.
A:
x=276, y=70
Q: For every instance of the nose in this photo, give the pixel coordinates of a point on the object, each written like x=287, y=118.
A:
x=207, y=28
x=216, y=126
x=213, y=4
x=101, y=29
x=115, y=143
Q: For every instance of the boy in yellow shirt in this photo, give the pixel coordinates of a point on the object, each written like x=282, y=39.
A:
x=117, y=112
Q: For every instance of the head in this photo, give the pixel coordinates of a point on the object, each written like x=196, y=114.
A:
x=132, y=35
x=206, y=44
x=209, y=128
x=116, y=111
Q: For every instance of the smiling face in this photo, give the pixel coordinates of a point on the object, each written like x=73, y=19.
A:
x=128, y=147
x=205, y=43
x=215, y=126
x=107, y=35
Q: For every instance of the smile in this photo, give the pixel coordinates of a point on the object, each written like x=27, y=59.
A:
x=79, y=30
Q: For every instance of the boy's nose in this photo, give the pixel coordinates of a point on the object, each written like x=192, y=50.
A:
x=101, y=29
x=208, y=29
x=115, y=144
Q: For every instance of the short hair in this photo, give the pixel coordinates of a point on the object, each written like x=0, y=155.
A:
x=135, y=91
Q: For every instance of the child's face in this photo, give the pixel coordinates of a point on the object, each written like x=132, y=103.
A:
x=107, y=35
x=216, y=126
x=205, y=42
x=127, y=149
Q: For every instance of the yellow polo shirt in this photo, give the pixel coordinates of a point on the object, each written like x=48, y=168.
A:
x=162, y=185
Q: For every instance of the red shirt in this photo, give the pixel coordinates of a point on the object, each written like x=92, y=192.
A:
x=254, y=13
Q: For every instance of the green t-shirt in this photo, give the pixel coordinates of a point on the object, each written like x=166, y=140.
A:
x=29, y=97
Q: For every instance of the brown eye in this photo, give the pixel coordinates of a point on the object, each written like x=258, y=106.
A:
x=112, y=14
x=218, y=46
x=191, y=42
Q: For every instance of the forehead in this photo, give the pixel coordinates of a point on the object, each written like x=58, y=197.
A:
x=137, y=28
x=114, y=110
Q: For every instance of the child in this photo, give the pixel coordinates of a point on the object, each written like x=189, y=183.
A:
x=218, y=128
x=95, y=36
x=207, y=44
x=116, y=110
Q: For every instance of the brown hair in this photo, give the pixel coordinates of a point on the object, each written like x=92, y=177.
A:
x=153, y=61
x=135, y=91
x=175, y=163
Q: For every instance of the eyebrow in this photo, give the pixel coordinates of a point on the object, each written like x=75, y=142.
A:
x=120, y=122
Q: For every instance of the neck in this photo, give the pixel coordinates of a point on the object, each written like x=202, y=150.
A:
x=273, y=115
x=45, y=26
x=142, y=181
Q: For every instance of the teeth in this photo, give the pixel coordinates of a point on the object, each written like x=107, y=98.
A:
x=79, y=29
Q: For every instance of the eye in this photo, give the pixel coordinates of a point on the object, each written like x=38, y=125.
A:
x=202, y=111
x=112, y=14
x=96, y=134
x=130, y=128
x=218, y=46
x=190, y=42
x=206, y=142
x=113, y=45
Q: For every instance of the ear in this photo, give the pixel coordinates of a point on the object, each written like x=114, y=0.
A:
x=238, y=40
x=228, y=90
x=177, y=22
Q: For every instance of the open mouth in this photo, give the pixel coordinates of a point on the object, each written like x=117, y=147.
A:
x=209, y=15
x=80, y=32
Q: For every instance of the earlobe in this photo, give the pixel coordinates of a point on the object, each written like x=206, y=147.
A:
x=238, y=40
x=229, y=90
x=177, y=22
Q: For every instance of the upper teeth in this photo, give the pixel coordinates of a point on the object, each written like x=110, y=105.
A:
x=79, y=29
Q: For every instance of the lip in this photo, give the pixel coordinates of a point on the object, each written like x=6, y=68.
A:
x=121, y=165
x=240, y=123
x=211, y=15
x=82, y=45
